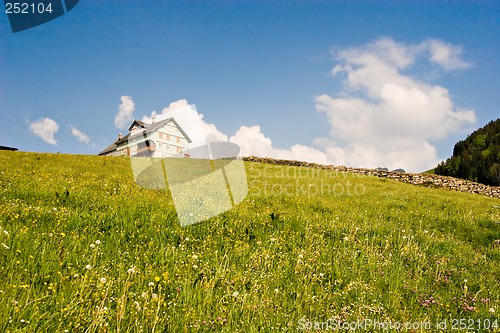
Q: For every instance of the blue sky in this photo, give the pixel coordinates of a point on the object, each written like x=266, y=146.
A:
x=265, y=64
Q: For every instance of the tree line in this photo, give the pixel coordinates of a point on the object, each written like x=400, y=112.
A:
x=476, y=158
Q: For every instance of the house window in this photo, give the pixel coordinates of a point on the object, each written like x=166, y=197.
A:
x=178, y=140
x=160, y=135
x=179, y=149
x=168, y=136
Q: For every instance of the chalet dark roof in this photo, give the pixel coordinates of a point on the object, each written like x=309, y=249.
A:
x=150, y=128
x=7, y=148
x=114, y=145
x=108, y=149
x=123, y=139
x=139, y=123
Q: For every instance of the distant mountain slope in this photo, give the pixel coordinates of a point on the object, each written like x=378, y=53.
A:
x=476, y=158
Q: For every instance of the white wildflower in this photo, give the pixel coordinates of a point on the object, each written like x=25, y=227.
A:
x=151, y=284
x=97, y=242
x=103, y=280
x=88, y=267
x=235, y=294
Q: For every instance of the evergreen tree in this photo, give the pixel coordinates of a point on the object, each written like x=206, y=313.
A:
x=476, y=158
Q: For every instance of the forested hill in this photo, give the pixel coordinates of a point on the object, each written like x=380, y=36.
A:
x=477, y=157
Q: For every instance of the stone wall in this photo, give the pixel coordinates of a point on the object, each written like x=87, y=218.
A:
x=411, y=178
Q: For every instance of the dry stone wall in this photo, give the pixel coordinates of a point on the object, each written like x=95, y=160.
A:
x=411, y=178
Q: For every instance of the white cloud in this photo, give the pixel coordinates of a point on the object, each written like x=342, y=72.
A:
x=81, y=136
x=444, y=54
x=45, y=128
x=393, y=117
x=250, y=139
x=189, y=119
x=125, y=114
x=382, y=117
x=253, y=142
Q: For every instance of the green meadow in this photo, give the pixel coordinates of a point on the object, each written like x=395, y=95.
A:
x=84, y=249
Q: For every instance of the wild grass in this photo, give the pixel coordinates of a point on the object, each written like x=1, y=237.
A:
x=84, y=249
x=430, y=171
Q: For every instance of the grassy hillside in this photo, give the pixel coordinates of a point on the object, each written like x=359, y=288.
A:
x=84, y=249
x=430, y=171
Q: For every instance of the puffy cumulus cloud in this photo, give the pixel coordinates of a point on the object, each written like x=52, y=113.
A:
x=125, y=113
x=253, y=142
x=45, y=128
x=250, y=139
x=189, y=119
x=81, y=136
x=384, y=117
x=444, y=54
